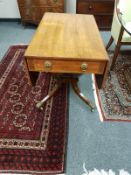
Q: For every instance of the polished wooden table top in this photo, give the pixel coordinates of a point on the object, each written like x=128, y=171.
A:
x=70, y=36
x=67, y=44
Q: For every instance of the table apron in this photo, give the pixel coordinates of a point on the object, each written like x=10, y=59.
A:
x=66, y=66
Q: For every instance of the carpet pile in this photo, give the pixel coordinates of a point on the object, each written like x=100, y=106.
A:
x=31, y=140
x=115, y=99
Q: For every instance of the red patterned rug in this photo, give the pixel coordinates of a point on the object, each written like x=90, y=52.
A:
x=114, y=101
x=31, y=141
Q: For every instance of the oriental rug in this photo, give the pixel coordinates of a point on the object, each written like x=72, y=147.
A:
x=114, y=100
x=31, y=141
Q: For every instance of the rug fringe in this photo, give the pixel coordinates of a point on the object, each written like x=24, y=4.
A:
x=96, y=98
x=103, y=172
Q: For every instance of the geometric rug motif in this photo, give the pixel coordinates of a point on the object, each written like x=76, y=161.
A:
x=115, y=97
x=31, y=140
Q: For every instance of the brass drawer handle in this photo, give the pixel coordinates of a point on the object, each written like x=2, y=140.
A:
x=55, y=1
x=48, y=65
x=84, y=67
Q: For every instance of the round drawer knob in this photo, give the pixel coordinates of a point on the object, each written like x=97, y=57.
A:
x=90, y=7
x=48, y=65
x=84, y=67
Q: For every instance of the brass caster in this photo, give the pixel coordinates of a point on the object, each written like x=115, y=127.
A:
x=92, y=108
x=39, y=105
x=41, y=108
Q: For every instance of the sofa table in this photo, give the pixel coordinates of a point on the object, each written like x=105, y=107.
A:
x=67, y=45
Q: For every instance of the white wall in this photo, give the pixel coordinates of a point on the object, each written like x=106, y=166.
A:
x=9, y=8
x=70, y=6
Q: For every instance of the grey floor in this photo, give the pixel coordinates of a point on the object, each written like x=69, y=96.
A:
x=101, y=145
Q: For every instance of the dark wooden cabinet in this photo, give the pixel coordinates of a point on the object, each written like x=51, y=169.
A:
x=101, y=9
x=32, y=11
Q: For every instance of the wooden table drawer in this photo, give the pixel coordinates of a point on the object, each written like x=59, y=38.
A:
x=94, y=7
x=38, y=12
x=49, y=2
x=32, y=10
x=103, y=21
x=64, y=66
x=25, y=13
x=27, y=3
